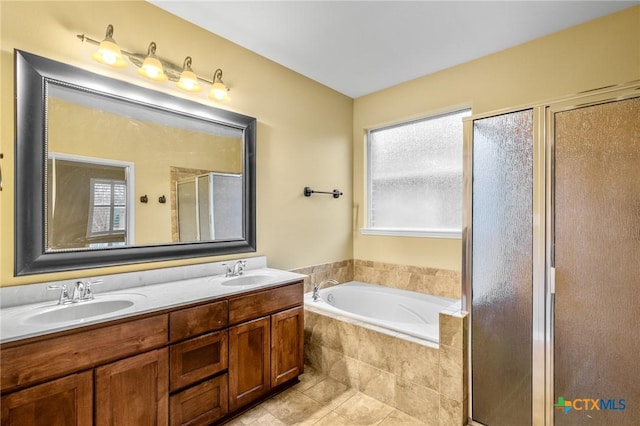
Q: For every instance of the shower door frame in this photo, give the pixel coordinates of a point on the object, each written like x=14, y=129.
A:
x=588, y=99
x=542, y=412
x=538, y=253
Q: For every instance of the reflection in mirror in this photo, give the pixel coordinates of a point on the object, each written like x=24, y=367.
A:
x=89, y=202
x=210, y=207
x=161, y=145
x=89, y=147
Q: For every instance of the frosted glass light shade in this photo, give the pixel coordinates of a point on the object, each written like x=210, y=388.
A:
x=109, y=53
x=218, y=91
x=152, y=69
x=189, y=81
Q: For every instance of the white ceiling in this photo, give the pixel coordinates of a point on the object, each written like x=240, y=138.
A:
x=359, y=47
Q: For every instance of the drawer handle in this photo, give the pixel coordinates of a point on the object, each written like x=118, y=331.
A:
x=1, y=157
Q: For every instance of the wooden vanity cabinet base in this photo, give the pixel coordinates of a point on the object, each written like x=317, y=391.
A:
x=194, y=365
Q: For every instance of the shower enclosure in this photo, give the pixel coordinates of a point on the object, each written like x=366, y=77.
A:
x=210, y=207
x=552, y=261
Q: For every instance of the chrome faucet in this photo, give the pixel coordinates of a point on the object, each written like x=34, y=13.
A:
x=316, y=288
x=237, y=269
x=81, y=292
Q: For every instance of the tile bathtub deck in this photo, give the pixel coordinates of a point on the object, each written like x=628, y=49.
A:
x=321, y=401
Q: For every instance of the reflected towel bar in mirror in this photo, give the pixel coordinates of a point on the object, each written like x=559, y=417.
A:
x=308, y=191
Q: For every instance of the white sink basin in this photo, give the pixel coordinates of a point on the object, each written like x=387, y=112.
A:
x=244, y=280
x=81, y=310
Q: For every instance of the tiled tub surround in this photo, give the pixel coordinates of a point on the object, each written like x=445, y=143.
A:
x=424, y=380
x=341, y=271
x=439, y=282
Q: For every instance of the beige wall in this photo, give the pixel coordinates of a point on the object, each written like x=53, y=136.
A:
x=304, y=129
x=592, y=55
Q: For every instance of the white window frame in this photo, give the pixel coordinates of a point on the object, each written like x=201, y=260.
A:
x=112, y=206
x=129, y=168
x=404, y=232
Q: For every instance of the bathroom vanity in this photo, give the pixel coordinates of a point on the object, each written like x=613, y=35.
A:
x=180, y=346
x=192, y=364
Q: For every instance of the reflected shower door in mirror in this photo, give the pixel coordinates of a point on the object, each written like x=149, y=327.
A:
x=209, y=207
x=161, y=146
x=98, y=166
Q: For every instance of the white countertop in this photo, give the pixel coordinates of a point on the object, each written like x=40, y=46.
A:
x=18, y=322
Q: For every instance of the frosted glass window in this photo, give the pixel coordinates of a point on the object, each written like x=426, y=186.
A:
x=415, y=175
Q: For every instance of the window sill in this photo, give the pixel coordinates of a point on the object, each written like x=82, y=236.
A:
x=419, y=233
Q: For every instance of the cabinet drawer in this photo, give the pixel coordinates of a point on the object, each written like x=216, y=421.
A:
x=265, y=302
x=58, y=356
x=198, y=358
x=201, y=404
x=190, y=322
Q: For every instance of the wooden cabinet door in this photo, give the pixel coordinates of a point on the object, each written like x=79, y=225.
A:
x=287, y=345
x=249, y=362
x=134, y=391
x=64, y=402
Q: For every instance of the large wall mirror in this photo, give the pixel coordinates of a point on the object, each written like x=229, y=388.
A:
x=109, y=173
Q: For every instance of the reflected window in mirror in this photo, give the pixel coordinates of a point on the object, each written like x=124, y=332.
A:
x=89, y=202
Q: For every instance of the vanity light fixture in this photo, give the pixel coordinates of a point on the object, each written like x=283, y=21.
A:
x=156, y=69
x=188, y=79
x=108, y=52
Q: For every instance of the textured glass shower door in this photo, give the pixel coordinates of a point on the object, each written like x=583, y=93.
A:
x=502, y=269
x=597, y=260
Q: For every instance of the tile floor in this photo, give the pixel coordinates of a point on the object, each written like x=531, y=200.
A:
x=321, y=401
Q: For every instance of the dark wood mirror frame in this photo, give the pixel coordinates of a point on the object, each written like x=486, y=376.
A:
x=32, y=75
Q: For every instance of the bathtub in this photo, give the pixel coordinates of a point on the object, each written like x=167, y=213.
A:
x=400, y=311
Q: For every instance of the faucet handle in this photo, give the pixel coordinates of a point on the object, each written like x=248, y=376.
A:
x=239, y=267
x=88, y=292
x=227, y=270
x=64, y=293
